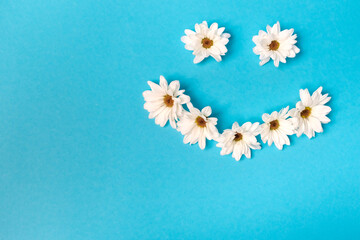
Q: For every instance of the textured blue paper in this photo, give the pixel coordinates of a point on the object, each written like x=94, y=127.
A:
x=79, y=158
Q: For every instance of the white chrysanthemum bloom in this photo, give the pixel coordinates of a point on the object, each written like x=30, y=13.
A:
x=311, y=112
x=164, y=102
x=206, y=41
x=197, y=126
x=239, y=140
x=275, y=44
x=277, y=127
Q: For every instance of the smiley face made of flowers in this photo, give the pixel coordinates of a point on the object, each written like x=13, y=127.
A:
x=165, y=102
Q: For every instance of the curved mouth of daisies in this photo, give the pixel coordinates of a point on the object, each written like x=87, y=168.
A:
x=200, y=122
x=306, y=112
x=274, y=45
x=207, y=43
x=274, y=125
x=238, y=137
x=169, y=102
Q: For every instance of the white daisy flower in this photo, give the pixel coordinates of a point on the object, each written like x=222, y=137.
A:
x=197, y=126
x=239, y=140
x=311, y=112
x=164, y=102
x=275, y=44
x=277, y=127
x=206, y=41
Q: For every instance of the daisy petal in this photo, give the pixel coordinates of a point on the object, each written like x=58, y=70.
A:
x=206, y=111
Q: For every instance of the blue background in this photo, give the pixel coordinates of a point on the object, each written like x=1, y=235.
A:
x=79, y=158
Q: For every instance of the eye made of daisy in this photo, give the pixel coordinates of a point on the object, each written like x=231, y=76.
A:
x=269, y=46
x=306, y=112
x=274, y=125
x=206, y=41
x=200, y=122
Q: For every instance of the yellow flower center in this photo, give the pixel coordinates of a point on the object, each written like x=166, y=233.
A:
x=306, y=112
x=274, y=125
x=207, y=43
x=200, y=122
x=238, y=137
x=274, y=45
x=169, y=102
